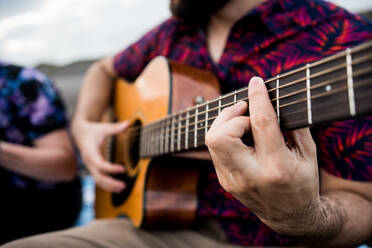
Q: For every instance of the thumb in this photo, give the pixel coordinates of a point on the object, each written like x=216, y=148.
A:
x=115, y=128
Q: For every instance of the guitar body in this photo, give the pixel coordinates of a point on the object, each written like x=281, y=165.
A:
x=161, y=191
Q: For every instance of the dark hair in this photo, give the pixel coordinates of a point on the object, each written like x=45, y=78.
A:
x=196, y=11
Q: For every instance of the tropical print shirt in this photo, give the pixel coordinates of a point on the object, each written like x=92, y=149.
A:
x=30, y=107
x=276, y=36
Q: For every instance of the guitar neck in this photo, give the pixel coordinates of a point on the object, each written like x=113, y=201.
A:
x=334, y=88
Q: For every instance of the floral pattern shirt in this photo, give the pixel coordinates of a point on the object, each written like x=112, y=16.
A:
x=30, y=107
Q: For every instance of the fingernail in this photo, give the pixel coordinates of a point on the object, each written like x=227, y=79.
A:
x=257, y=80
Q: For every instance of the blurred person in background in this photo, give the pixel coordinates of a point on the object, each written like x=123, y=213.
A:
x=323, y=200
x=39, y=187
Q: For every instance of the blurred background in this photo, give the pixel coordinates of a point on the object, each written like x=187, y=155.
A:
x=62, y=38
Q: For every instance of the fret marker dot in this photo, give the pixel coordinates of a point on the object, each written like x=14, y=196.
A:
x=328, y=88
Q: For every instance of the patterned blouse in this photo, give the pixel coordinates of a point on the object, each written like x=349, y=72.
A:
x=30, y=107
x=277, y=36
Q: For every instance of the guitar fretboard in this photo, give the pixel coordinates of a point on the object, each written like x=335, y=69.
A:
x=333, y=88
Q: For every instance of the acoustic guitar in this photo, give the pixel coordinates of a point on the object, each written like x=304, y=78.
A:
x=171, y=106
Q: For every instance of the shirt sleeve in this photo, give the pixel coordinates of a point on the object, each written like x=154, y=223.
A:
x=40, y=107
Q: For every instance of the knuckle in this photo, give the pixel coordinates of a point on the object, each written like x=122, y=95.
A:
x=98, y=179
x=276, y=178
x=313, y=149
x=86, y=158
x=254, y=92
x=226, y=185
x=212, y=139
x=261, y=121
x=227, y=110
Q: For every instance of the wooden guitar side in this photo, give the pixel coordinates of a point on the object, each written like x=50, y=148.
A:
x=161, y=192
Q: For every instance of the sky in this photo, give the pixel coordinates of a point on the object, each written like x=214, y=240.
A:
x=61, y=32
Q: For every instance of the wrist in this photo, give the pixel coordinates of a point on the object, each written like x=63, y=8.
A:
x=319, y=221
x=297, y=222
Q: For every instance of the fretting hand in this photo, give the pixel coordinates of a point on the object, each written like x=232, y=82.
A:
x=277, y=180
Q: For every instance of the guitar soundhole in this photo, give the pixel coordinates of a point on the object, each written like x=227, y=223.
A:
x=134, y=138
x=133, y=158
x=119, y=198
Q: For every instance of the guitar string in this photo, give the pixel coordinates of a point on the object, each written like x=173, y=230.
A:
x=343, y=89
x=339, y=55
x=244, y=89
x=175, y=116
x=201, y=142
x=202, y=115
x=191, y=124
x=273, y=79
x=327, y=83
x=356, y=62
x=221, y=98
x=334, y=80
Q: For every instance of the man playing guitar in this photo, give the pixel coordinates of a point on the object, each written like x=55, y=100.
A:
x=280, y=191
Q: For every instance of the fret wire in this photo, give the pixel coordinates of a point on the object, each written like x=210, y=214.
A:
x=159, y=131
x=179, y=134
x=152, y=147
x=141, y=143
x=332, y=69
x=196, y=123
x=149, y=140
x=206, y=117
x=156, y=136
x=302, y=110
x=146, y=141
x=308, y=95
x=277, y=98
x=172, y=134
x=153, y=138
x=162, y=126
x=350, y=82
x=235, y=96
x=219, y=104
x=166, y=148
x=187, y=130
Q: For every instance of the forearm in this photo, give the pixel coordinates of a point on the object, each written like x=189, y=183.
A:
x=95, y=92
x=342, y=219
x=42, y=163
x=354, y=218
